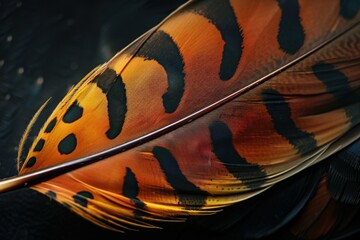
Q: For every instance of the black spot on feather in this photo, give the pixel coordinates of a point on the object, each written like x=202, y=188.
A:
x=337, y=84
x=349, y=8
x=51, y=194
x=112, y=85
x=105, y=80
x=81, y=198
x=131, y=190
x=68, y=144
x=74, y=113
x=51, y=125
x=116, y=108
x=221, y=138
x=39, y=146
x=31, y=162
x=280, y=113
x=162, y=48
x=221, y=14
x=190, y=195
x=291, y=35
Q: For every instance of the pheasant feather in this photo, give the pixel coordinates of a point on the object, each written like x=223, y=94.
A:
x=219, y=102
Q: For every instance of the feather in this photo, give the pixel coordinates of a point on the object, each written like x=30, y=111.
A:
x=215, y=105
x=343, y=179
x=321, y=215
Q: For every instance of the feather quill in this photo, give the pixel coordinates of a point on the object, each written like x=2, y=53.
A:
x=188, y=120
